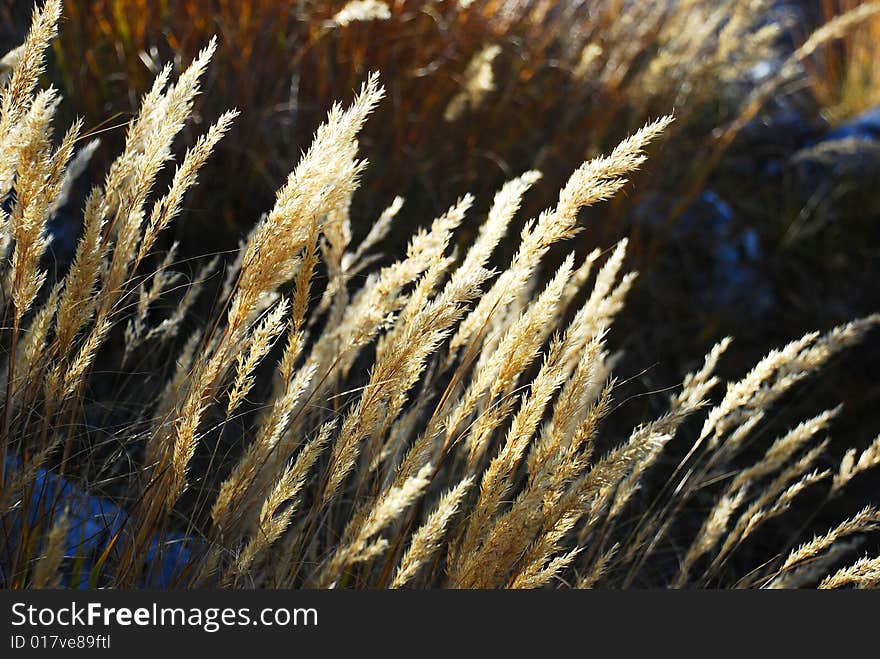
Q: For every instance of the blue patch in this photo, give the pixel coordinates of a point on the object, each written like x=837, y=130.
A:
x=93, y=523
x=735, y=251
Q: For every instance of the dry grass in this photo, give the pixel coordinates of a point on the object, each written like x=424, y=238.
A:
x=481, y=90
x=845, y=79
x=436, y=422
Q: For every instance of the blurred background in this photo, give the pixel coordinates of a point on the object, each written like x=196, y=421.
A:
x=755, y=216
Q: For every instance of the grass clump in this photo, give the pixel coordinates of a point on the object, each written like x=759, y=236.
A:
x=435, y=422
